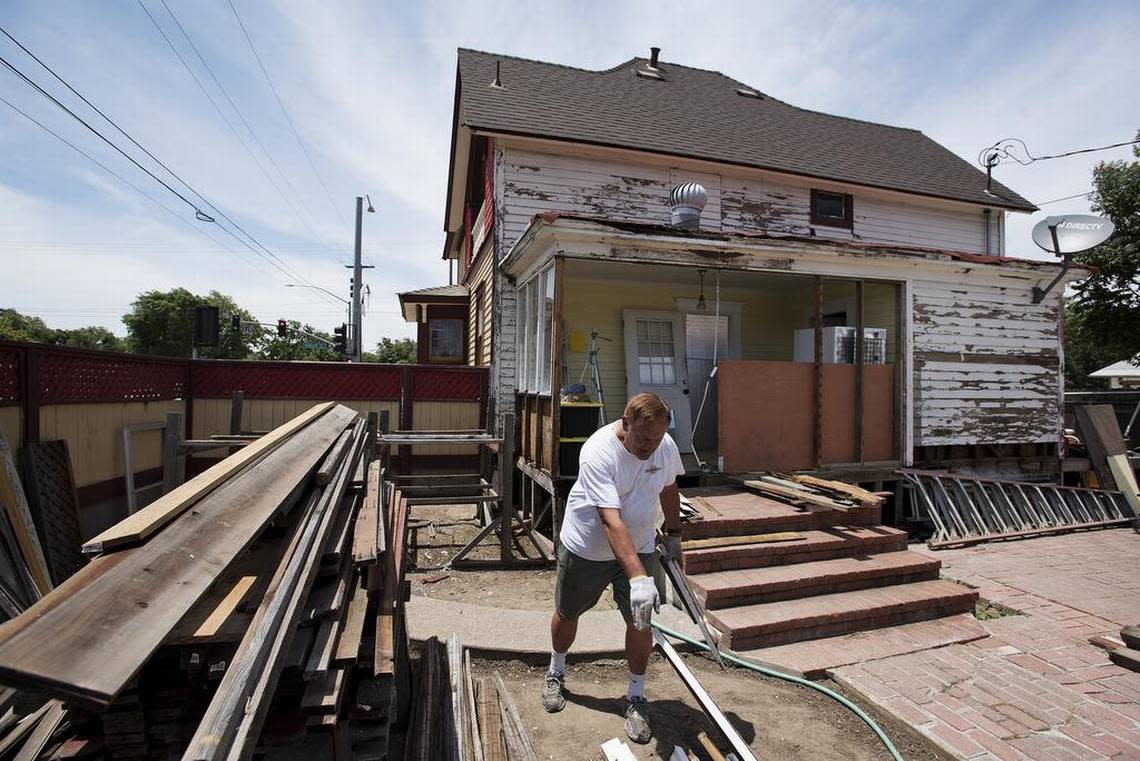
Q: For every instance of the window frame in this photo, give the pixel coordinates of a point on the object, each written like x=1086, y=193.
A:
x=444, y=358
x=848, y=221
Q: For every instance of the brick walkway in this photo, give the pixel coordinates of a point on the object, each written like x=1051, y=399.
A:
x=1035, y=688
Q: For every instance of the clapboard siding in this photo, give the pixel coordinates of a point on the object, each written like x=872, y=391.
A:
x=484, y=270
x=985, y=364
x=533, y=183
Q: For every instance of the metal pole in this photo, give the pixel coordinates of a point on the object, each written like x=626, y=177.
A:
x=357, y=344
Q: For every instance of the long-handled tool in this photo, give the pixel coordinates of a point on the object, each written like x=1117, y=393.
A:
x=689, y=602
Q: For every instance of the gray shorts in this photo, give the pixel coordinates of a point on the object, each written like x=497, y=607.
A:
x=581, y=582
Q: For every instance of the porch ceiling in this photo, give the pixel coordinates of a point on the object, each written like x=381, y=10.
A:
x=586, y=269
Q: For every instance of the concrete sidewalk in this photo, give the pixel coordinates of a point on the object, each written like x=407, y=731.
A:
x=509, y=631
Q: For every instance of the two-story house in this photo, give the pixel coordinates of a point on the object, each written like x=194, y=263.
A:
x=807, y=230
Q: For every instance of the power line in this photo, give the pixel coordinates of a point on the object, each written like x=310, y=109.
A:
x=297, y=199
x=285, y=111
x=274, y=259
x=1015, y=149
x=1066, y=198
x=119, y=177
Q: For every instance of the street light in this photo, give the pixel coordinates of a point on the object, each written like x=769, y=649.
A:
x=324, y=290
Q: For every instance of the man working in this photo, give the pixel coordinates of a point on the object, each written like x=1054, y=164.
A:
x=608, y=537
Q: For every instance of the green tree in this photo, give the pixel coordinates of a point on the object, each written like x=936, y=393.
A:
x=162, y=322
x=1102, y=316
x=393, y=351
x=20, y=327
x=92, y=337
x=295, y=345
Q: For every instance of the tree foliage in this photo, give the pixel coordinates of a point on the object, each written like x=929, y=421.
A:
x=296, y=345
x=162, y=323
x=393, y=351
x=20, y=327
x=1102, y=317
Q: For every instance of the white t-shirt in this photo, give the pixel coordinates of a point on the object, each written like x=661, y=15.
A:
x=610, y=476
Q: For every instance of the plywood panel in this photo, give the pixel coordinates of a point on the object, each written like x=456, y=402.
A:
x=838, y=441
x=765, y=415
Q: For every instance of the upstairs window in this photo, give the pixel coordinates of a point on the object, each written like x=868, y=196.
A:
x=832, y=209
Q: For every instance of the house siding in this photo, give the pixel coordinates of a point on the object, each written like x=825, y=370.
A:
x=483, y=273
x=986, y=365
x=534, y=183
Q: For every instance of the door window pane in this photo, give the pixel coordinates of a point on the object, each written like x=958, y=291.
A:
x=655, y=353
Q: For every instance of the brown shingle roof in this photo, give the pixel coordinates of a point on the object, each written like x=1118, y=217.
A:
x=699, y=114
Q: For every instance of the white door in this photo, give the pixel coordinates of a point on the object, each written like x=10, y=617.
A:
x=655, y=362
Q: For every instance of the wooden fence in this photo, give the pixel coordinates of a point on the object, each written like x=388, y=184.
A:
x=86, y=397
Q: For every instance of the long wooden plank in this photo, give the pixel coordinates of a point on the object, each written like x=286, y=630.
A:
x=25, y=725
x=332, y=461
x=739, y=746
x=1100, y=432
x=86, y=640
x=352, y=632
x=1125, y=478
x=142, y=524
x=324, y=695
x=20, y=519
x=47, y=726
x=226, y=607
x=514, y=730
x=234, y=718
x=366, y=531
x=490, y=720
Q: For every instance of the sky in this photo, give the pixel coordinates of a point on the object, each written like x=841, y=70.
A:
x=366, y=92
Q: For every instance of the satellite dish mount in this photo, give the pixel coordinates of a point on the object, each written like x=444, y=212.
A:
x=1066, y=235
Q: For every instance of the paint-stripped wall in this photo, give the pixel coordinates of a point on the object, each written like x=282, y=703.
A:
x=482, y=275
x=539, y=182
x=986, y=365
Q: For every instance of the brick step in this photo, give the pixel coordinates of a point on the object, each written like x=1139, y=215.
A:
x=749, y=586
x=823, y=544
x=777, y=623
x=735, y=511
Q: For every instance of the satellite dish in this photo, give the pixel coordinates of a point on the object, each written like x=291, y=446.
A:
x=1071, y=233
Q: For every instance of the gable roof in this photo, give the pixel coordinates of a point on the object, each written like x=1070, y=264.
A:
x=699, y=114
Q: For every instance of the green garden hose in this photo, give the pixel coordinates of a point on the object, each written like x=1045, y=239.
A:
x=728, y=655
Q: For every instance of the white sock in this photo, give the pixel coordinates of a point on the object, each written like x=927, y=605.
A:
x=557, y=663
x=636, y=686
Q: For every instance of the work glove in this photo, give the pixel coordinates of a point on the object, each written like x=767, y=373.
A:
x=671, y=548
x=643, y=601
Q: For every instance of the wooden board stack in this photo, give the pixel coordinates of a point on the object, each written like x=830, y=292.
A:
x=256, y=609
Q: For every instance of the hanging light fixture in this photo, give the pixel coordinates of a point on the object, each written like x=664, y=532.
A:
x=701, y=305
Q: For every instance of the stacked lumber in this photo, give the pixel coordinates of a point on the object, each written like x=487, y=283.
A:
x=808, y=492
x=459, y=717
x=236, y=615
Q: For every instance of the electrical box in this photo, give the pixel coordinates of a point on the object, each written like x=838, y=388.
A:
x=839, y=345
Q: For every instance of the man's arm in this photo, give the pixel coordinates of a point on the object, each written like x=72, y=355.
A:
x=671, y=507
x=622, y=545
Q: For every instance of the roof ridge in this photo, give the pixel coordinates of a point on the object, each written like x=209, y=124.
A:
x=665, y=65
x=508, y=57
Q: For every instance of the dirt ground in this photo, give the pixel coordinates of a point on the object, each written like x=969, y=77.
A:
x=780, y=720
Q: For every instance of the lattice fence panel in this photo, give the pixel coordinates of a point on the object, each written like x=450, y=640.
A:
x=309, y=381
x=11, y=387
x=66, y=377
x=454, y=385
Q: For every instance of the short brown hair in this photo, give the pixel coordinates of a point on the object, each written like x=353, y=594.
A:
x=646, y=407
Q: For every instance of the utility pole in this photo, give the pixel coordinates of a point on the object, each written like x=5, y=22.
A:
x=357, y=285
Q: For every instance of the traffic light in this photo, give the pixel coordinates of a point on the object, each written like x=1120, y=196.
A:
x=235, y=323
x=340, y=339
x=282, y=328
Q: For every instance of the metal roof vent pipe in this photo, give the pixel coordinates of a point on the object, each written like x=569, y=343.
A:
x=688, y=202
x=653, y=54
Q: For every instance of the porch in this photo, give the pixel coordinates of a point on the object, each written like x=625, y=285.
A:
x=762, y=369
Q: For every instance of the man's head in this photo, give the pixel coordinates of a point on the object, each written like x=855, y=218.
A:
x=645, y=421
